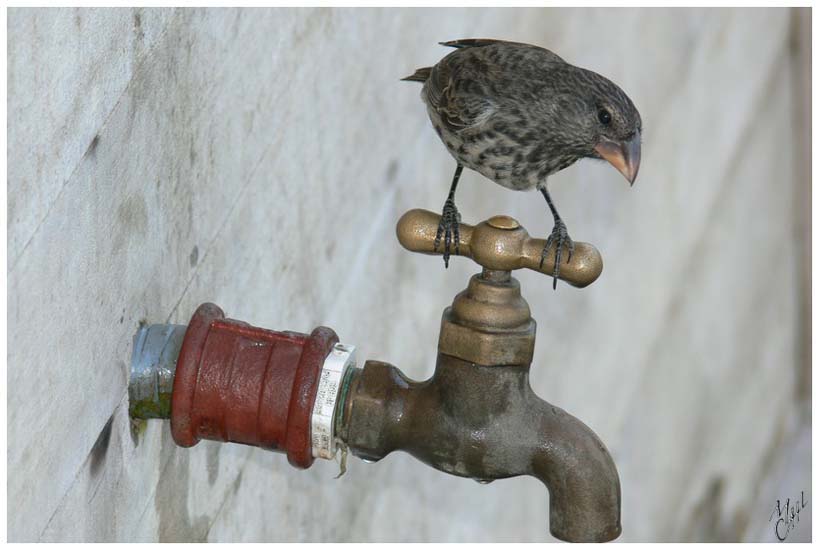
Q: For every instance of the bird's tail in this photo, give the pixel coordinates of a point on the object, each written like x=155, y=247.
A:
x=421, y=75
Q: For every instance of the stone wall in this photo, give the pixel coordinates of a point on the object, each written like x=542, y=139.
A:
x=259, y=159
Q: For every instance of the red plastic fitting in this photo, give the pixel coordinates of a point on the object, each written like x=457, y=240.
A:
x=239, y=383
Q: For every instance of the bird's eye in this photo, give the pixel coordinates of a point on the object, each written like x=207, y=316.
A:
x=604, y=116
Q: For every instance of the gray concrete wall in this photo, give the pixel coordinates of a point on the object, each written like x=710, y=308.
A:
x=259, y=159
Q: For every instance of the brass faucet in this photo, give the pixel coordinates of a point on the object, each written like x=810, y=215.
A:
x=477, y=416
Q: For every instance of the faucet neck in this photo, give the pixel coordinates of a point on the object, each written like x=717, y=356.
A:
x=489, y=322
x=496, y=276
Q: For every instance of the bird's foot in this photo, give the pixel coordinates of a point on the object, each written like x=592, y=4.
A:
x=448, y=228
x=561, y=238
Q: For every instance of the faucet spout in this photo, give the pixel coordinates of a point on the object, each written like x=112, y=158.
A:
x=486, y=423
x=583, y=483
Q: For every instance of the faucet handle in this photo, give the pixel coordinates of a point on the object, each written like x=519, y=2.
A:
x=500, y=243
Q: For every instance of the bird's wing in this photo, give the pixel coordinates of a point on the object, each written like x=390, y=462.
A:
x=503, y=44
x=464, y=86
x=477, y=42
x=454, y=92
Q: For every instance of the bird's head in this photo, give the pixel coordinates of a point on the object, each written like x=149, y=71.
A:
x=615, y=126
x=606, y=123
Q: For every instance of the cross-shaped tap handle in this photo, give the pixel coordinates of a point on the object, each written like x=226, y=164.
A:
x=500, y=243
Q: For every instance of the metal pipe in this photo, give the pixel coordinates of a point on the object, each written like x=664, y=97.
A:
x=225, y=380
x=153, y=364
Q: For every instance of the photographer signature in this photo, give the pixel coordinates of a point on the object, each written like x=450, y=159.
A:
x=787, y=515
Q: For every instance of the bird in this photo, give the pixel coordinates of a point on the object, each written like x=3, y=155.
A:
x=517, y=113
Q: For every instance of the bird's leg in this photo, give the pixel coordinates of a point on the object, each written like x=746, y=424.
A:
x=559, y=236
x=448, y=223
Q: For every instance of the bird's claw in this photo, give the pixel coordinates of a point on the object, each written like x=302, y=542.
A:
x=448, y=228
x=561, y=238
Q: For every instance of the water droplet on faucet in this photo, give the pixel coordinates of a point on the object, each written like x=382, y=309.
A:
x=483, y=480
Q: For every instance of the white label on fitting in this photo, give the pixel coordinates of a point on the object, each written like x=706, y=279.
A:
x=322, y=437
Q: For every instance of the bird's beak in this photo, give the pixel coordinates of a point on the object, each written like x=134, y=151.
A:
x=625, y=156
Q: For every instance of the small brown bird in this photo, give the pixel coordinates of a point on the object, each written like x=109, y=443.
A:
x=517, y=113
